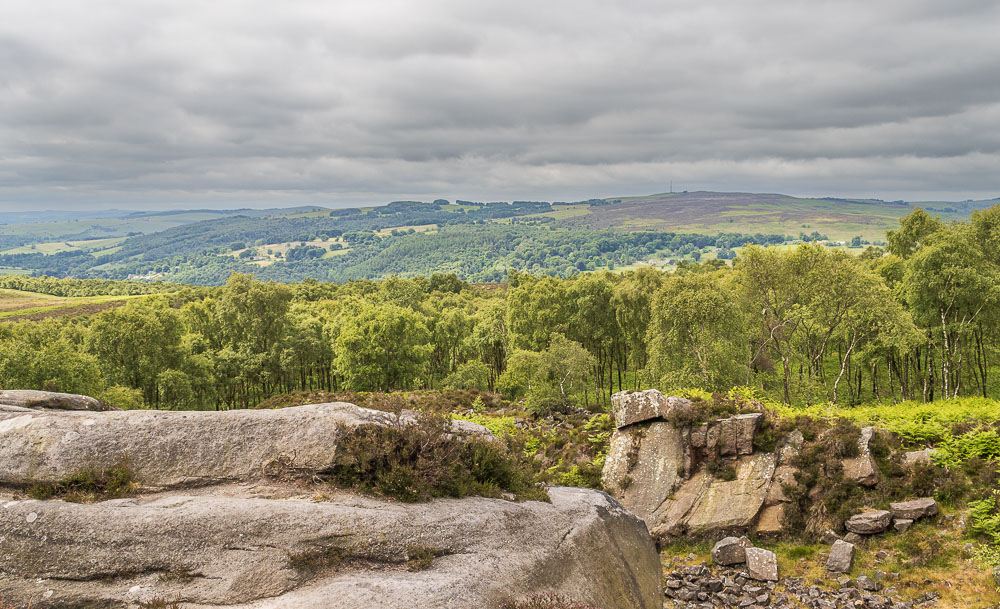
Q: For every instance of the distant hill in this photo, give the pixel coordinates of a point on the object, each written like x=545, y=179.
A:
x=475, y=240
x=713, y=212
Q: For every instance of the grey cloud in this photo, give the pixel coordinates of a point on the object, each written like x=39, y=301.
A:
x=253, y=103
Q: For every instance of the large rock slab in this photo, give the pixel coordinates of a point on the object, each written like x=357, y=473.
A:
x=841, y=557
x=630, y=407
x=869, y=523
x=47, y=400
x=171, y=449
x=644, y=466
x=863, y=469
x=706, y=505
x=240, y=551
x=915, y=509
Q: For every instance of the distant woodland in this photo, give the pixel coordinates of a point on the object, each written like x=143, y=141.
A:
x=917, y=320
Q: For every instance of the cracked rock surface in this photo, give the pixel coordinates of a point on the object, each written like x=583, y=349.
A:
x=216, y=533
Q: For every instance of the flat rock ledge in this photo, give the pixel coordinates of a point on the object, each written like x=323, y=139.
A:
x=168, y=449
x=26, y=398
x=210, y=551
x=211, y=529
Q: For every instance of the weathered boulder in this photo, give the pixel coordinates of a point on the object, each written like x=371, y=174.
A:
x=630, y=407
x=243, y=551
x=863, y=469
x=902, y=525
x=863, y=582
x=706, y=505
x=762, y=564
x=841, y=557
x=644, y=466
x=170, y=449
x=915, y=509
x=869, y=523
x=917, y=457
x=26, y=398
x=730, y=551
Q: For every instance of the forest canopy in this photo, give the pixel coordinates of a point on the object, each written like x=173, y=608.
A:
x=809, y=324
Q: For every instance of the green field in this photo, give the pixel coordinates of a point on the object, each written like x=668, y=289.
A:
x=15, y=305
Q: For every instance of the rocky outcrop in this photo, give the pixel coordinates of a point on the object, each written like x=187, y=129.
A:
x=172, y=449
x=211, y=530
x=215, y=551
x=863, y=469
x=659, y=472
x=47, y=400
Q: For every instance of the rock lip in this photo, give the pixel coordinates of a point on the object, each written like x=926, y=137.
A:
x=731, y=551
x=47, y=400
x=762, y=564
x=167, y=449
x=242, y=551
x=915, y=509
x=630, y=407
x=863, y=469
x=869, y=523
x=841, y=557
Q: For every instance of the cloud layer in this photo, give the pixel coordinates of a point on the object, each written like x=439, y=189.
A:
x=233, y=103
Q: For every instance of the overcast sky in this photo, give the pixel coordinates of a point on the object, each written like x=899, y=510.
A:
x=191, y=103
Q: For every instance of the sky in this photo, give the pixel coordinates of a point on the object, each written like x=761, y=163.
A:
x=195, y=103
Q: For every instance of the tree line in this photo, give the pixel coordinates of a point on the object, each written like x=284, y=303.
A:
x=918, y=320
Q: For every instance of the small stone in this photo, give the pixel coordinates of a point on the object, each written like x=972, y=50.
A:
x=902, y=525
x=854, y=538
x=841, y=557
x=891, y=591
x=968, y=547
x=866, y=583
x=730, y=551
x=674, y=583
x=762, y=565
x=829, y=537
x=844, y=581
x=914, y=510
x=869, y=523
x=31, y=517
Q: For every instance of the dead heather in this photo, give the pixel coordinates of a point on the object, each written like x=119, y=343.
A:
x=90, y=485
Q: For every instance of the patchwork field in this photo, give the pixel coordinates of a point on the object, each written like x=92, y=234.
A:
x=17, y=305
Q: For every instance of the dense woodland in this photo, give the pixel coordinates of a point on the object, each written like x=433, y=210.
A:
x=918, y=321
x=479, y=242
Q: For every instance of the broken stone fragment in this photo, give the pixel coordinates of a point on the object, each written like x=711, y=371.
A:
x=731, y=551
x=762, y=564
x=902, y=525
x=841, y=557
x=915, y=509
x=869, y=523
